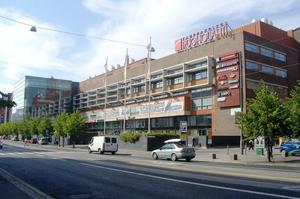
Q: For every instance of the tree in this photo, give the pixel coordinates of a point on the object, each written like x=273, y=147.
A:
x=75, y=125
x=44, y=125
x=6, y=102
x=265, y=116
x=59, y=125
x=32, y=126
x=293, y=107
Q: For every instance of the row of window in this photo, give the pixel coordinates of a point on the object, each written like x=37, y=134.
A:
x=265, y=51
x=250, y=65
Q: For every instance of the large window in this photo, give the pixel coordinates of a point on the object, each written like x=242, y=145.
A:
x=201, y=100
x=252, y=65
x=266, y=52
x=281, y=73
x=199, y=75
x=280, y=56
x=267, y=69
x=176, y=80
x=251, y=47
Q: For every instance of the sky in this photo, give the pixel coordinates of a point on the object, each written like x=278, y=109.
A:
x=63, y=56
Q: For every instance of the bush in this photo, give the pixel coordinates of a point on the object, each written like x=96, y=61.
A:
x=130, y=137
x=165, y=136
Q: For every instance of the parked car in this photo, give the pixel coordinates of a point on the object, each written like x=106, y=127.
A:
x=1, y=144
x=33, y=141
x=174, y=151
x=294, y=152
x=289, y=146
x=103, y=144
x=15, y=138
x=43, y=141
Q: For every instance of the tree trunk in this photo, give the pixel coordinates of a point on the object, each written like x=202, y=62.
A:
x=59, y=141
x=63, y=142
x=269, y=149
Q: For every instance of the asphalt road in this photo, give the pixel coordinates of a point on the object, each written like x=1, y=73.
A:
x=51, y=173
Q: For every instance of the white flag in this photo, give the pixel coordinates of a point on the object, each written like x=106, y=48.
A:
x=105, y=65
x=125, y=65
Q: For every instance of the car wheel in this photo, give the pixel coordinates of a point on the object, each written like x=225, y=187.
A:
x=113, y=153
x=173, y=157
x=89, y=150
x=100, y=151
x=286, y=154
x=154, y=156
x=188, y=159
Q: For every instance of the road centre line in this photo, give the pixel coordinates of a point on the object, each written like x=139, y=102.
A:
x=23, y=186
x=191, y=183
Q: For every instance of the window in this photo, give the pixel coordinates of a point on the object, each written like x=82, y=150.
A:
x=280, y=56
x=201, y=100
x=251, y=65
x=251, y=47
x=114, y=140
x=199, y=75
x=177, y=80
x=107, y=140
x=281, y=73
x=266, y=52
x=267, y=69
x=157, y=84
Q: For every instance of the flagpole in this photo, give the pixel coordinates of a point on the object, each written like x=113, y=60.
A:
x=105, y=99
x=125, y=95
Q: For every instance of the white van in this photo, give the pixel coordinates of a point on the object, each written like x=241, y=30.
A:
x=103, y=144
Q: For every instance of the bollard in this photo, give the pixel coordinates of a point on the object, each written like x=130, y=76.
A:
x=235, y=157
x=214, y=156
x=227, y=149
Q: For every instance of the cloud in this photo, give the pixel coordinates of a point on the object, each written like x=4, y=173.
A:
x=47, y=53
x=165, y=21
x=23, y=52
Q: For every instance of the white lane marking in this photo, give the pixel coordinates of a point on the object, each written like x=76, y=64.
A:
x=193, y=183
x=23, y=186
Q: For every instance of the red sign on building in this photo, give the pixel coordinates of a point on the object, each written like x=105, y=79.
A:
x=202, y=37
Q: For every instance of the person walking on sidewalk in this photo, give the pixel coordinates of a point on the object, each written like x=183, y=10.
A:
x=251, y=145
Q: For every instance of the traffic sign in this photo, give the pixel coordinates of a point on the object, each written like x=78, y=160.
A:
x=183, y=126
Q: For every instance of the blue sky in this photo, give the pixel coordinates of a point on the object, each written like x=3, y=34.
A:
x=64, y=56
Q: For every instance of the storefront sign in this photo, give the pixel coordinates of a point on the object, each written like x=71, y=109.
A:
x=202, y=37
x=160, y=108
x=228, y=94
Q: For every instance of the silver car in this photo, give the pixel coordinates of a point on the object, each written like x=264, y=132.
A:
x=174, y=151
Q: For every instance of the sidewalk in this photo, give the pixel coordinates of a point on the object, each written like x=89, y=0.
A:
x=204, y=155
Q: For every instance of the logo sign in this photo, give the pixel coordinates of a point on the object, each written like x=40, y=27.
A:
x=202, y=37
x=183, y=126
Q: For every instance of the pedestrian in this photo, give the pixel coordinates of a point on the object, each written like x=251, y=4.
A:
x=251, y=145
x=25, y=141
x=194, y=142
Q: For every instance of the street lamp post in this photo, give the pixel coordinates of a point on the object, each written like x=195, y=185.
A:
x=150, y=49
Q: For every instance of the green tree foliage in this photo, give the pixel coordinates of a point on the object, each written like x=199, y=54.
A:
x=32, y=125
x=59, y=125
x=265, y=116
x=5, y=102
x=75, y=124
x=44, y=125
x=292, y=106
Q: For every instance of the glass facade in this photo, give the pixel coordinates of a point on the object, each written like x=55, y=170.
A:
x=36, y=95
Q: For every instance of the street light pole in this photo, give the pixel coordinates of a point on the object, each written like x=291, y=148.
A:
x=150, y=49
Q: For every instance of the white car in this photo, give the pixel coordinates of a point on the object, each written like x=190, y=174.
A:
x=174, y=149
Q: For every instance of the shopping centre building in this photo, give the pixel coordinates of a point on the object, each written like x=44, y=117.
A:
x=203, y=84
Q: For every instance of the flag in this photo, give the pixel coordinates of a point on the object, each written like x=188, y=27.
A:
x=105, y=65
x=125, y=65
